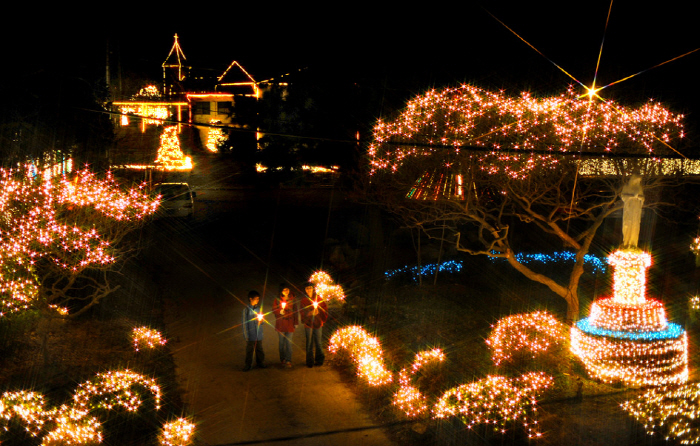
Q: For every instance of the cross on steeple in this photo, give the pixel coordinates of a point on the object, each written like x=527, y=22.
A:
x=174, y=64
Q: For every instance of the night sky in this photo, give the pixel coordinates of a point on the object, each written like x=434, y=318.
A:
x=405, y=50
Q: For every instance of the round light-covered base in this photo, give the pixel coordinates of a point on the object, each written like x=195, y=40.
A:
x=648, y=316
x=633, y=358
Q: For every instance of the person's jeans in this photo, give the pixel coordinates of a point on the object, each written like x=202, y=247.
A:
x=314, y=344
x=254, y=346
x=285, y=346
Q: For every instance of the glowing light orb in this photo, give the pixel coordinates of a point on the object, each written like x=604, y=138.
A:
x=177, y=433
x=325, y=289
x=146, y=338
x=695, y=246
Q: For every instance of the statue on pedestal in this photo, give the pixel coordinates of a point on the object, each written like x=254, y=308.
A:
x=633, y=197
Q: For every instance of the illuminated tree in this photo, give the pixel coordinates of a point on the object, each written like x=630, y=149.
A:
x=483, y=171
x=60, y=236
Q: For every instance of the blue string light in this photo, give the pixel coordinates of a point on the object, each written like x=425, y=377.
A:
x=563, y=256
x=673, y=331
x=450, y=266
x=455, y=266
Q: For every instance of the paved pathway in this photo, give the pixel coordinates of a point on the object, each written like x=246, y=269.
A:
x=262, y=406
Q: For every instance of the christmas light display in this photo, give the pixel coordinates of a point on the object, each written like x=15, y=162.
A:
x=170, y=157
x=177, y=433
x=497, y=401
x=438, y=185
x=364, y=350
x=450, y=266
x=320, y=169
x=32, y=228
x=76, y=423
x=215, y=137
x=73, y=427
x=325, y=288
x=26, y=407
x=695, y=246
x=409, y=398
x=672, y=411
x=146, y=338
x=148, y=92
x=598, y=167
x=694, y=302
x=534, y=332
x=114, y=389
x=153, y=113
x=627, y=338
x=456, y=266
x=509, y=129
x=596, y=264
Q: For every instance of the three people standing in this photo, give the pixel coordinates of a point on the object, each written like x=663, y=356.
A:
x=287, y=309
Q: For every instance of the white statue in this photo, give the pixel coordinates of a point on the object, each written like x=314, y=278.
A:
x=633, y=198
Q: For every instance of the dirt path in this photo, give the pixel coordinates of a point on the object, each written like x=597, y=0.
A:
x=262, y=406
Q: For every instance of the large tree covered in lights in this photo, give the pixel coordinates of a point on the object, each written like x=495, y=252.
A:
x=482, y=170
x=60, y=235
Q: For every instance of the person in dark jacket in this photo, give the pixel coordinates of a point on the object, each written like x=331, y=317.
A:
x=286, y=309
x=253, y=331
x=314, y=313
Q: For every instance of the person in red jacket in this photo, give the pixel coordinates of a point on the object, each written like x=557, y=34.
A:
x=314, y=313
x=286, y=309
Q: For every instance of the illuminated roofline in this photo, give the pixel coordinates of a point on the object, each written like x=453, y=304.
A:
x=150, y=103
x=209, y=95
x=239, y=66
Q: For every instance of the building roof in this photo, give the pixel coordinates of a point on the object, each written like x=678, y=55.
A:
x=237, y=78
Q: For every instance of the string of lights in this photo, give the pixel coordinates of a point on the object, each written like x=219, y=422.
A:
x=535, y=333
x=34, y=226
x=325, y=288
x=409, y=399
x=456, y=266
x=672, y=410
x=146, y=338
x=596, y=264
x=76, y=422
x=496, y=400
x=513, y=127
x=179, y=432
x=364, y=350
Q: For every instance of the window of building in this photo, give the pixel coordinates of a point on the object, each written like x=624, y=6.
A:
x=224, y=108
x=201, y=108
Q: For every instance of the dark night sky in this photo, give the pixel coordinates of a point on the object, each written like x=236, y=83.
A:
x=407, y=49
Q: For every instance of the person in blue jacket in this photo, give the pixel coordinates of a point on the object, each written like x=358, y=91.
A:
x=253, y=331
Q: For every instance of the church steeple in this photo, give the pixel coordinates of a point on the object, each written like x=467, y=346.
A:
x=174, y=70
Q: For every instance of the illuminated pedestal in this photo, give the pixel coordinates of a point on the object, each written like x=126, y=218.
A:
x=626, y=338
